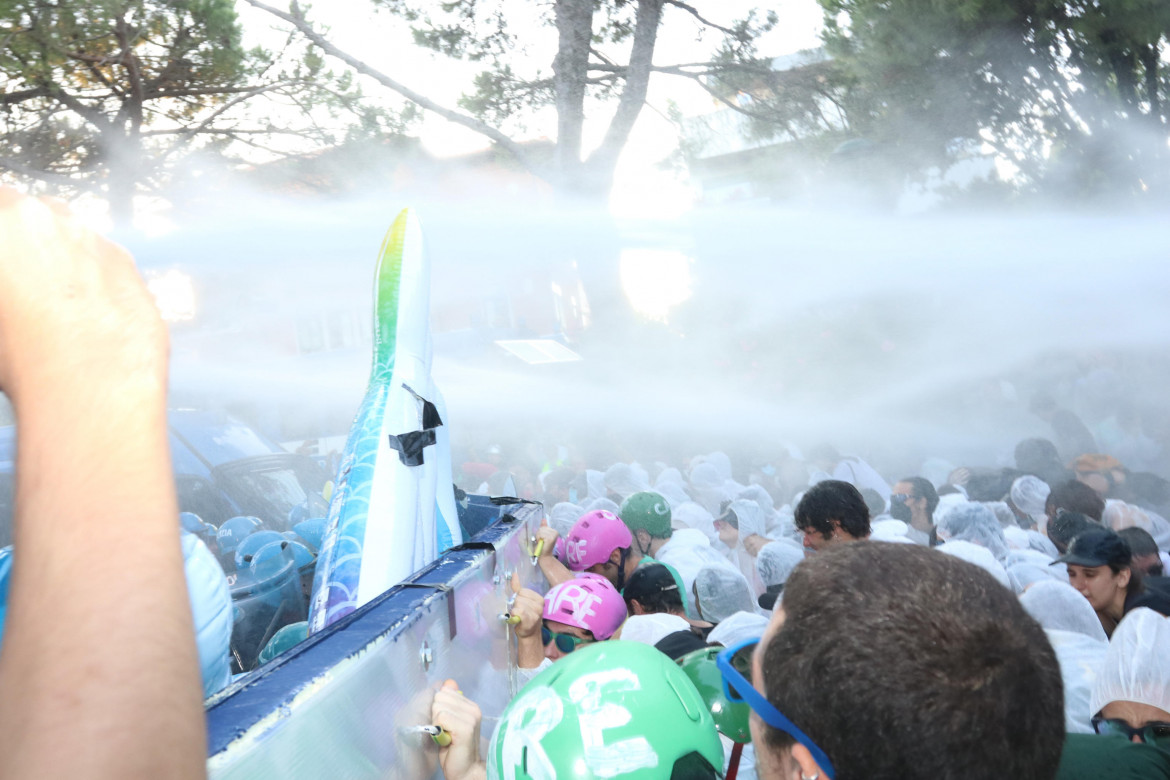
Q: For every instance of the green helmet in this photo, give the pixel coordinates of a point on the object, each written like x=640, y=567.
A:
x=647, y=511
x=290, y=635
x=731, y=718
x=609, y=710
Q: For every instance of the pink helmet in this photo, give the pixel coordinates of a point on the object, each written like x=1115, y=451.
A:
x=594, y=537
x=587, y=601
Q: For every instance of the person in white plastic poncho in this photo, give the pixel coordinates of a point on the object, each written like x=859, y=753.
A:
x=1079, y=641
x=1131, y=695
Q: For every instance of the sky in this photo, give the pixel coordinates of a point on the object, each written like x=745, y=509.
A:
x=383, y=40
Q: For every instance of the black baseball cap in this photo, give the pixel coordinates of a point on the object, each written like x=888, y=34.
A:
x=768, y=599
x=1097, y=547
x=680, y=643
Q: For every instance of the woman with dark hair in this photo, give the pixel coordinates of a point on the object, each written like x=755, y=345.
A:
x=1100, y=566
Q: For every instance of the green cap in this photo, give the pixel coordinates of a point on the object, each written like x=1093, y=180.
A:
x=609, y=710
x=731, y=718
x=647, y=511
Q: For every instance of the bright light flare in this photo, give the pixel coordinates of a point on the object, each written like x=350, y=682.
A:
x=655, y=280
x=174, y=294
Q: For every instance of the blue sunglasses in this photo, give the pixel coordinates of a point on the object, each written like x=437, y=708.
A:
x=738, y=688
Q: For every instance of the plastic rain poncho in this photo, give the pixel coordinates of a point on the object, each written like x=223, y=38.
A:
x=689, y=552
x=1080, y=660
x=625, y=480
x=750, y=515
x=1025, y=575
x=563, y=516
x=721, y=592
x=1137, y=664
x=683, y=538
x=1041, y=543
x=650, y=629
x=763, y=499
x=674, y=493
x=707, y=487
x=978, y=555
x=691, y=515
x=721, y=462
x=669, y=474
x=776, y=561
x=947, y=504
x=737, y=628
x=1003, y=513
x=641, y=475
x=1017, y=538
x=1037, y=559
x=601, y=504
x=751, y=522
x=1159, y=529
x=1029, y=494
x=889, y=530
x=1061, y=607
x=785, y=526
x=1118, y=515
x=595, y=484
x=974, y=522
x=860, y=474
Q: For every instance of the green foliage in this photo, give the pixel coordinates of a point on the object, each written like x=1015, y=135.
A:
x=107, y=95
x=500, y=97
x=1074, y=93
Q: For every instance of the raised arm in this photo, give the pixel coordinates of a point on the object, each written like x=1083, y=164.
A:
x=99, y=675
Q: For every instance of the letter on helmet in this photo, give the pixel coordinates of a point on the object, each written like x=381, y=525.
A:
x=594, y=537
x=610, y=710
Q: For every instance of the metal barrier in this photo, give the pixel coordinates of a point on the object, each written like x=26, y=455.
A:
x=346, y=703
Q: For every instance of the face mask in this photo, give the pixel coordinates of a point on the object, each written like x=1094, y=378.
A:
x=899, y=511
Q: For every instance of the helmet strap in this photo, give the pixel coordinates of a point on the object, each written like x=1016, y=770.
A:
x=641, y=550
x=621, y=583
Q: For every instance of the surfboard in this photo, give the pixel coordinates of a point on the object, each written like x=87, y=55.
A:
x=393, y=505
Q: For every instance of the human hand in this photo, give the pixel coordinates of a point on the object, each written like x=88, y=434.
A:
x=460, y=717
x=528, y=605
x=959, y=476
x=548, y=536
x=754, y=543
x=75, y=316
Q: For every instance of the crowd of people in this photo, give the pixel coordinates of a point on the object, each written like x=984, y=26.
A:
x=699, y=621
x=992, y=623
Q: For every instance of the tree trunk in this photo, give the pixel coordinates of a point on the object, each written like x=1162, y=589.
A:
x=124, y=153
x=574, y=20
x=1149, y=60
x=601, y=164
x=122, y=182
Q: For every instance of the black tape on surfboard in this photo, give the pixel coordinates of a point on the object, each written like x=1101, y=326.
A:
x=410, y=446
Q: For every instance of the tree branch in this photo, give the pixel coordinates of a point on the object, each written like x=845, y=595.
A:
x=223, y=131
x=690, y=9
x=46, y=176
x=186, y=133
x=297, y=19
x=93, y=116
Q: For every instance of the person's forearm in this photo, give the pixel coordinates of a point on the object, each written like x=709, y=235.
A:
x=553, y=570
x=477, y=771
x=529, y=652
x=98, y=566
